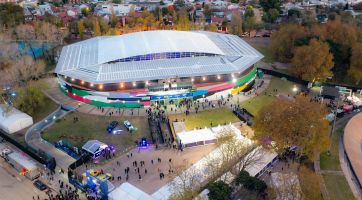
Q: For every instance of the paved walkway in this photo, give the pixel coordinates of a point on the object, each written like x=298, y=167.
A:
x=33, y=139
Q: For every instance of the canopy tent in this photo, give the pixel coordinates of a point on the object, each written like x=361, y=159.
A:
x=13, y=120
x=204, y=136
x=129, y=192
x=329, y=92
x=263, y=159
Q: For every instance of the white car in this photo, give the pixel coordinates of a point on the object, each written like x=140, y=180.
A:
x=128, y=125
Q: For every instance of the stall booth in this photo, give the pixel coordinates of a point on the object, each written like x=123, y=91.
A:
x=95, y=148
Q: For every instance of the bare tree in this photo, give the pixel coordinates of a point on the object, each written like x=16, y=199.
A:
x=253, y=158
x=286, y=186
x=186, y=182
x=26, y=33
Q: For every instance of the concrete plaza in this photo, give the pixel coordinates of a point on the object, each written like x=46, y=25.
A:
x=151, y=181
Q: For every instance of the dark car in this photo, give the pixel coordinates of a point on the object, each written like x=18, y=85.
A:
x=40, y=185
x=111, y=126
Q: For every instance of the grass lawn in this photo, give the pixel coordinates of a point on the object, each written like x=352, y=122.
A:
x=94, y=127
x=331, y=162
x=265, y=50
x=204, y=118
x=267, y=97
x=47, y=107
x=338, y=187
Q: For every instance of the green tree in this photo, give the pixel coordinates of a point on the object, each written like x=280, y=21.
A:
x=312, y=62
x=269, y=4
x=30, y=98
x=85, y=11
x=283, y=41
x=297, y=122
x=242, y=178
x=236, y=24
x=117, y=1
x=249, y=24
x=81, y=28
x=271, y=16
x=355, y=70
x=11, y=15
x=219, y=190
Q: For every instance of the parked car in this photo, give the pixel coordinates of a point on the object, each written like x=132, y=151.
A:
x=128, y=125
x=40, y=185
x=117, y=130
x=111, y=126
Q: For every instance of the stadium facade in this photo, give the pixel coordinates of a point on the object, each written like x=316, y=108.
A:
x=133, y=70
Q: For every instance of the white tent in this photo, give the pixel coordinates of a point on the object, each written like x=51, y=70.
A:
x=13, y=120
x=204, y=136
x=129, y=192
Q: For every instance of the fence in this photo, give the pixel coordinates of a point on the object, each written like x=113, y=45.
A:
x=44, y=159
x=304, y=82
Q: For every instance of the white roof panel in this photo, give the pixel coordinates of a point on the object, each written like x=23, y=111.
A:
x=92, y=60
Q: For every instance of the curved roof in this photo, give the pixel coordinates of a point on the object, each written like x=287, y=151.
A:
x=352, y=140
x=89, y=60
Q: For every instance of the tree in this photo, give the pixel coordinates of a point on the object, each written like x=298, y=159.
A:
x=26, y=33
x=269, y=4
x=219, y=190
x=236, y=24
x=309, y=18
x=96, y=27
x=283, y=41
x=298, y=122
x=183, y=22
x=271, y=16
x=242, y=178
x=114, y=20
x=30, y=98
x=11, y=15
x=85, y=11
x=212, y=27
x=81, y=28
x=312, y=62
x=249, y=23
x=187, y=183
x=355, y=70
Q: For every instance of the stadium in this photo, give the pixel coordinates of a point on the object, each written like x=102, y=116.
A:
x=137, y=69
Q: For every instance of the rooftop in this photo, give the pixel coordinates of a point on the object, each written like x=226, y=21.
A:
x=111, y=59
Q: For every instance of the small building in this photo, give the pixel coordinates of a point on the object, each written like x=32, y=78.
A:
x=95, y=148
x=13, y=120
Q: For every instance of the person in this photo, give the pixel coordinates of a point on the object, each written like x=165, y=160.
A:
x=145, y=171
x=139, y=177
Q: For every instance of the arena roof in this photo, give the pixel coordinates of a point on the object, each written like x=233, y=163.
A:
x=95, y=60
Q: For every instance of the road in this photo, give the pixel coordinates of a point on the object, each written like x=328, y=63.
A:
x=14, y=186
